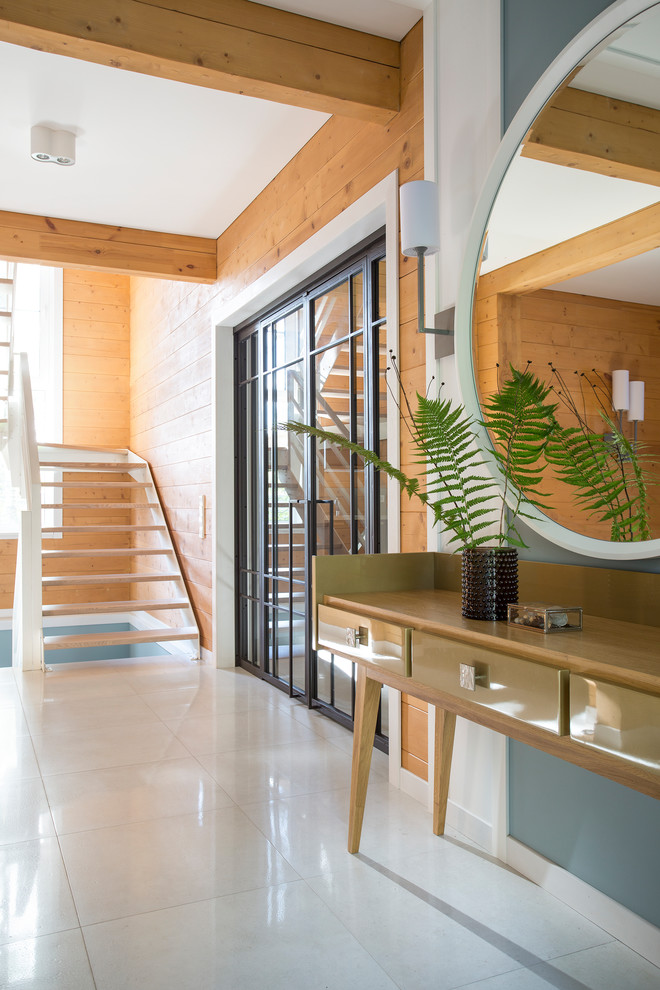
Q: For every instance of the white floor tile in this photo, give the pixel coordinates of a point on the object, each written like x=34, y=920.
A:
x=24, y=811
x=606, y=967
x=69, y=681
x=417, y=945
x=283, y=938
x=609, y=967
x=256, y=775
x=119, y=795
x=77, y=714
x=35, y=895
x=130, y=869
x=51, y=962
x=201, y=700
x=189, y=802
x=240, y=730
x=17, y=759
x=92, y=749
x=503, y=901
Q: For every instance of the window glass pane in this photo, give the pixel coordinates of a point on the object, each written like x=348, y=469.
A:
x=331, y=315
x=383, y=449
x=343, y=673
x=289, y=337
x=359, y=480
x=381, y=290
x=357, y=282
x=324, y=676
x=333, y=465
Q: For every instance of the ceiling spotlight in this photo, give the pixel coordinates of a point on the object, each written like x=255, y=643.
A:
x=48, y=145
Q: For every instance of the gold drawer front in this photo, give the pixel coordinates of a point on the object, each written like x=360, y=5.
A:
x=616, y=720
x=362, y=638
x=520, y=689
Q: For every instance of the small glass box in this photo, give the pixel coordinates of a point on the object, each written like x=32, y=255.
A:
x=544, y=618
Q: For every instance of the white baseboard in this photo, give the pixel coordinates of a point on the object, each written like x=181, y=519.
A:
x=414, y=786
x=206, y=656
x=635, y=932
x=470, y=825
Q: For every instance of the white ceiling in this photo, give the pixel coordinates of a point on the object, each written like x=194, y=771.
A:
x=153, y=153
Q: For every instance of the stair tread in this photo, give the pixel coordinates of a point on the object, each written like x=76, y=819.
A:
x=108, y=552
x=101, y=529
x=127, y=606
x=93, y=465
x=163, y=634
x=99, y=505
x=127, y=578
x=82, y=483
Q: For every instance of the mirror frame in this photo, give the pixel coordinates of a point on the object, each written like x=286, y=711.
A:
x=588, y=40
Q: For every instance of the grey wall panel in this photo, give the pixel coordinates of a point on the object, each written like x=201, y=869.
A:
x=533, y=34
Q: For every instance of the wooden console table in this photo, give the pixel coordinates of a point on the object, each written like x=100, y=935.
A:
x=590, y=697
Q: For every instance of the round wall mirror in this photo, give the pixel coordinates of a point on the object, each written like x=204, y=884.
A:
x=563, y=261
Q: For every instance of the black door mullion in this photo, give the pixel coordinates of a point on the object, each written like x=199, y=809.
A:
x=362, y=428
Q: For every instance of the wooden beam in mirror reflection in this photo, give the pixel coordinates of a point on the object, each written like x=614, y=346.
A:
x=627, y=237
x=597, y=134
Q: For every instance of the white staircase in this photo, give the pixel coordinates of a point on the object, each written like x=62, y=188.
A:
x=7, y=273
x=110, y=538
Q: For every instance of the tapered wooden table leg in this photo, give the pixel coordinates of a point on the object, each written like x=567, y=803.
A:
x=445, y=723
x=366, y=713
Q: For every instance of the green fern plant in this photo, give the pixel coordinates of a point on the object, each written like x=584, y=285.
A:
x=608, y=476
x=463, y=495
x=521, y=423
x=607, y=472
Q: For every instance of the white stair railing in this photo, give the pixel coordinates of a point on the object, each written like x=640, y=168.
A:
x=27, y=627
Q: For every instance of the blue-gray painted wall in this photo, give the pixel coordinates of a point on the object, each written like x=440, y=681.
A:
x=534, y=32
x=598, y=830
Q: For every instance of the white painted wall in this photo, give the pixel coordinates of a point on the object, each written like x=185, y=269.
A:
x=462, y=134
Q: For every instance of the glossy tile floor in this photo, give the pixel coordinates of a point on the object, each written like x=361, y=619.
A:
x=165, y=825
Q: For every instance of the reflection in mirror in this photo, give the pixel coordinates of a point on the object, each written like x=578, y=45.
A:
x=570, y=271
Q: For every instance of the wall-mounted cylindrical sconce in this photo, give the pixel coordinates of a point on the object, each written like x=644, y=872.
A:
x=620, y=390
x=420, y=235
x=636, y=402
x=627, y=396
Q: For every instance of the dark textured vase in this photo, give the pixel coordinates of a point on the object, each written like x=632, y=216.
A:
x=489, y=582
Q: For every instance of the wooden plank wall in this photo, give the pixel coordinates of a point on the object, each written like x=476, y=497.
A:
x=96, y=358
x=7, y=572
x=170, y=384
x=95, y=398
x=576, y=333
x=95, y=340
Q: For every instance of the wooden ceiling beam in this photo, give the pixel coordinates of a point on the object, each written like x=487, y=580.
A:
x=597, y=134
x=98, y=247
x=616, y=241
x=231, y=45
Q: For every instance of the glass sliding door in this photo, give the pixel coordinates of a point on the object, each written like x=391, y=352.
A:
x=320, y=359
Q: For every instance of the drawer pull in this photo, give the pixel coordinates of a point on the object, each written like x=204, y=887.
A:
x=357, y=637
x=469, y=676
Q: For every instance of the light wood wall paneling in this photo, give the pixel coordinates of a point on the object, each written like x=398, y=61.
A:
x=576, y=333
x=170, y=382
